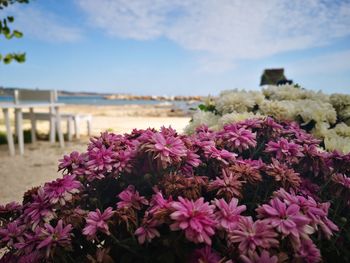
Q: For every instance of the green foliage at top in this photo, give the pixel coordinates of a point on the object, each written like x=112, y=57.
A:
x=9, y=34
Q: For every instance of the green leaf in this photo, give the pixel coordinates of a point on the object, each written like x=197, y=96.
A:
x=20, y=58
x=17, y=34
x=10, y=19
x=8, y=59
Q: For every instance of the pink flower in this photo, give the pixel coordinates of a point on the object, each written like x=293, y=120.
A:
x=10, y=208
x=251, y=235
x=166, y=149
x=196, y=218
x=264, y=257
x=211, y=152
x=342, y=179
x=237, y=138
x=71, y=162
x=286, y=219
x=228, y=186
x=131, y=199
x=62, y=189
x=55, y=236
x=123, y=161
x=308, y=252
x=227, y=214
x=205, y=255
x=159, y=203
x=283, y=174
x=285, y=150
x=11, y=233
x=40, y=209
x=147, y=232
x=97, y=221
x=101, y=159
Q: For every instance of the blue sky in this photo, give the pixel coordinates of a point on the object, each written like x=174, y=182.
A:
x=178, y=47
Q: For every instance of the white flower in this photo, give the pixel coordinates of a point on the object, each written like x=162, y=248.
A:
x=236, y=116
x=282, y=110
x=316, y=110
x=342, y=129
x=290, y=92
x=200, y=118
x=335, y=142
x=237, y=101
x=321, y=130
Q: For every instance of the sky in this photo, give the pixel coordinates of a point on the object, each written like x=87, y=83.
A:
x=178, y=47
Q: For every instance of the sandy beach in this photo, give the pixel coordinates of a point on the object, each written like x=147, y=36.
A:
x=39, y=163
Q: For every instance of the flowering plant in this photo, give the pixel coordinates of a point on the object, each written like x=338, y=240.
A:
x=256, y=191
x=327, y=117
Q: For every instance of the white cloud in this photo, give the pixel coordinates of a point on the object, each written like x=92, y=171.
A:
x=328, y=64
x=225, y=30
x=43, y=25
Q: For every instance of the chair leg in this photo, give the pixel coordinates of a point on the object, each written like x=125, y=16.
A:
x=76, y=127
x=58, y=126
x=20, y=131
x=9, y=132
x=52, y=126
x=69, y=129
x=33, y=124
x=89, y=126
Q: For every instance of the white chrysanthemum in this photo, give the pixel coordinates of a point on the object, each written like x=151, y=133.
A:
x=340, y=101
x=290, y=92
x=342, y=129
x=200, y=118
x=316, y=110
x=236, y=116
x=237, y=101
x=321, y=130
x=282, y=110
x=335, y=142
x=344, y=114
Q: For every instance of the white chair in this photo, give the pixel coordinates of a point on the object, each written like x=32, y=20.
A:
x=26, y=96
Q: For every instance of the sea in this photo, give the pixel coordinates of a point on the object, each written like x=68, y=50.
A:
x=100, y=100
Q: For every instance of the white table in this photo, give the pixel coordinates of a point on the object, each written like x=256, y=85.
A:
x=18, y=112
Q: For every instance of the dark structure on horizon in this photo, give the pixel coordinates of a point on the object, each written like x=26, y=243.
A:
x=274, y=77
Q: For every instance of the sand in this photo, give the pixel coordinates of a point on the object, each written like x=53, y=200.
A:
x=39, y=162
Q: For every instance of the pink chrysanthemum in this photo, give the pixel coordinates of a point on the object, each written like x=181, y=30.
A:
x=123, y=161
x=62, y=189
x=55, y=236
x=228, y=186
x=285, y=150
x=237, y=138
x=166, y=149
x=97, y=221
x=196, y=218
x=205, y=255
x=251, y=235
x=308, y=252
x=287, y=219
x=147, y=232
x=227, y=215
x=342, y=179
x=130, y=198
x=264, y=257
x=283, y=174
x=101, y=159
x=11, y=233
x=40, y=209
x=71, y=162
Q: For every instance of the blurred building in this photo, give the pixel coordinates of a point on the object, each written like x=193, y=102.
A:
x=274, y=77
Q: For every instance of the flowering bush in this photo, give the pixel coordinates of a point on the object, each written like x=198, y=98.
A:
x=255, y=191
x=326, y=117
